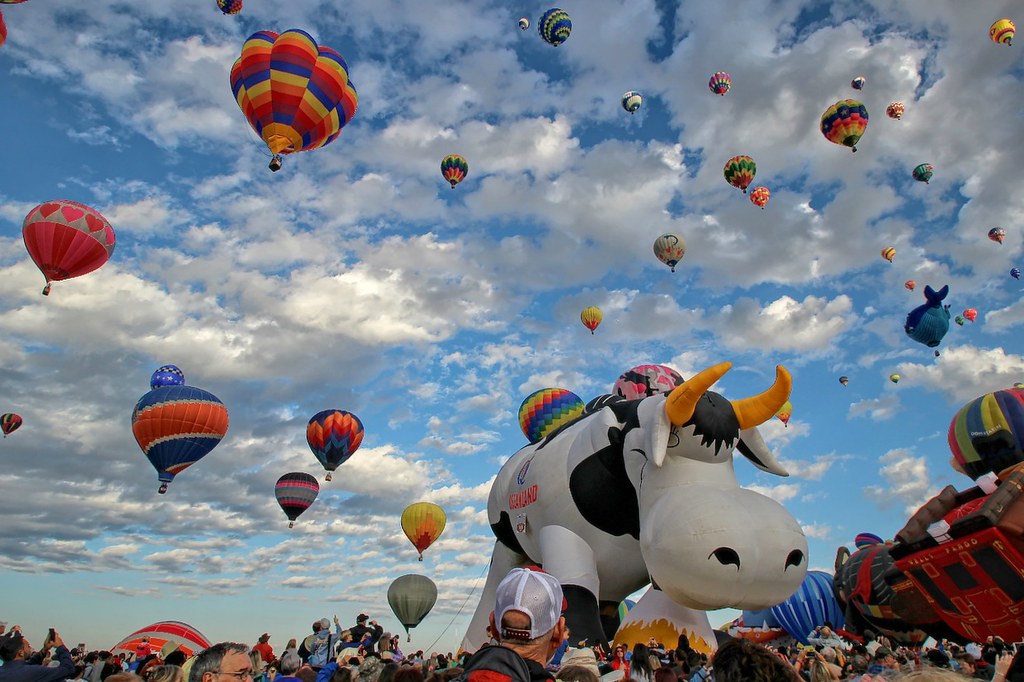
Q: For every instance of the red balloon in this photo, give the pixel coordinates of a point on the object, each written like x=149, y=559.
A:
x=67, y=239
x=3, y=29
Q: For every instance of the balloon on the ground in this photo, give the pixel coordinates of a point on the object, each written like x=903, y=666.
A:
x=1015, y=273
x=544, y=411
x=294, y=93
x=923, y=172
x=185, y=637
x=720, y=83
x=333, y=436
x=888, y=253
x=910, y=284
x=295, y=493
x=895, y=378
x=524, y=23
x=229, y=6
x=646, y=380
x=971, y=314
x=631, y=101
x=176, y=426
x=812, y=605
x=591, y=317
x=785, y=412
x=866, y=540
x=997, y=234
x=895, y=110
x=670, y=249
x=1002, y=31
x=862, y=590
x=739, y=172
x=845, y=122
x=929, y=322
x=655, y=615
x=412, y=597
x=454, y=169
x=759, y=196
x=844, y=380
x=554, y=26
x=858, y=83
x=423, y=523
x=66, y=239
x=9, y=423
x=987, y=433
x=167, y=375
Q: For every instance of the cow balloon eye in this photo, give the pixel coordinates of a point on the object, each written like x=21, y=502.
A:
x=726, y=556
x=795, y=558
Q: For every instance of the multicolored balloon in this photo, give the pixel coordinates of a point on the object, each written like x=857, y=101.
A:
x=845, y=122
x=454, y=169
x=866, y=540
x=858, y=83
x=333, y=436
x=423, y=523
x=759, y=196
x=524, y=23
x=670, y=249
x=971, y=314
x=785, y=412
x=910, y=284
x=546, y=410
x=229, y=6
x=646, y=380
x=1002, y=32
x=296, y=94
x=591, y=317
x=631, y=101
x=923, y=172
x=739, y=172
x=997, y=234
x=888, y=253
x=296, y=492
x=66, y=239
x=844, y=380
x=9, y=423
x=554, y=26
x=811, y=606
x=1015, y=273
x=895, y=110
x=720, y=83
x=167, y=375
x=987, y=434
x=895, y=378
x=176, y=426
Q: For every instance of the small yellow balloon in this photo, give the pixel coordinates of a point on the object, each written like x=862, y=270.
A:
x=423, y=523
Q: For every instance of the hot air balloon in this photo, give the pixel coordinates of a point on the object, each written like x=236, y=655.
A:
x=454, y=169
x=9, y=423
x=987, y=434
x=720, y=83
x=1002, y=32
x=185, y=637
x=785, y=412
x=176, y=426
x=858, y=83
x=845, y=122
x=229, y=6
x=1015, y=273
x=910, y=284
x=866, y=540
x=959, y=320
x=411, y=597
x=66, y=239
x=997, y=234
x=3, y=30
x=759, y=196
x=296, y=492
x=646, y=380
x=739, y=172
x=971, y=314
x=923, y=172
x=591, y=317
x=554, y=26
x=631, y=101
x=670, y=249
x=334, y=436
x=895, y=378
x=524, y=23
x=867, y=597
x=167, y=375
x=844, y=380
x=895, y=110
x=423, y=523
x=544, y=411
x=888, y=253
x=811, y=606
x=12, y=2
x=295, y=94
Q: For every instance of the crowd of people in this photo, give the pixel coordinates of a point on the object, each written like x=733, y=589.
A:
x=529, y=643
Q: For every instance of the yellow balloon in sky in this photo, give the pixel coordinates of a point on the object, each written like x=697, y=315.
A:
x=423, y=523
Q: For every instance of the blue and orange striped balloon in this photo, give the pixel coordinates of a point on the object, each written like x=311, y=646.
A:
x=295, y=94
x=176, y=426
x=334, y=436
x=296, y=492
x=986, y=434
x=545, y=410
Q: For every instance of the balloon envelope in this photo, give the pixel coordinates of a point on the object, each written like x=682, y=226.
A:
x=811, y=606
x=9, y=423
x=895, y=110
x=423, y=523
x=844, y=380
x=719, y=83
x=646, y=380
x=186, y=637
x=845, y=122
x=785, y=412
x=631, y=101
x=923, y=172
x=858, y=83
x=554, y=26
x=1015, y=273
x=670, y=249
x=866, y=540
x=66, y=239
x=997, y=234
x=986, y=434
x=3, y=30
x=334, y=436
x=167, y=375
x=229, y=6
x=454, y=169
x=739, y=171
x=295, y=493
x=759, y=196
x=546, y=410
x=411, y=597
x=1002, y=31
x=591, y=317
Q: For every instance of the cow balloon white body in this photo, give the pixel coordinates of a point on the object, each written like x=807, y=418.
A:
x=644, y=491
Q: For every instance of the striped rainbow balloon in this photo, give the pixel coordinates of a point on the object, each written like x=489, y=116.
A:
x=985, y=435
x=545, y=410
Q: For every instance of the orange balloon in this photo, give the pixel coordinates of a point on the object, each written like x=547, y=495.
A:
x=423, y=523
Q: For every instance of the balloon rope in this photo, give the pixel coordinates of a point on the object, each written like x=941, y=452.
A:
x=459, y=612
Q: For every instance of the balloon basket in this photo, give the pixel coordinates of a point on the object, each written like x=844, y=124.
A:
x=420, y=559
x=291, y=524
x=275, y=163
x=46, y=289
x=328, y=477
x=162, y=489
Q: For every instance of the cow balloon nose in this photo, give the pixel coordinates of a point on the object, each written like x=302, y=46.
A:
x=726, y=556
x=795, y=558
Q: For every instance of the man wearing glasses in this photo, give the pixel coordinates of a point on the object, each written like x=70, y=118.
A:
x=224, y=662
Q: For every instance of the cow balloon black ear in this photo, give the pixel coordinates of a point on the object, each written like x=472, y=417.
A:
x=795, y=558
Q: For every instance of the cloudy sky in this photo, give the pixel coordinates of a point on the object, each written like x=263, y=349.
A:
x=355, y=279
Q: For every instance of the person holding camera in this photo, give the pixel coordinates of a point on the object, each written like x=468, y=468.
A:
x=20, y=665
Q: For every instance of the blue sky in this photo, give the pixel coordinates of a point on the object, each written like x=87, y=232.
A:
x=356, y=279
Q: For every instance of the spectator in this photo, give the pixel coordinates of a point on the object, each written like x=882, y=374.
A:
x=577, y=673
x=289, y=665
x=266, y=651
x=361, y=630
x=16, y=653
x=740, y=660
x=221, y=662
x=143, y=649
x=322, y=644
x=166, y=673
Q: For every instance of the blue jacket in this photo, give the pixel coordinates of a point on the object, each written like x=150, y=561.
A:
x=20, y=671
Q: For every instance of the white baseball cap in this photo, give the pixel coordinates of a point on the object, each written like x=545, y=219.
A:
x=533, y=592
